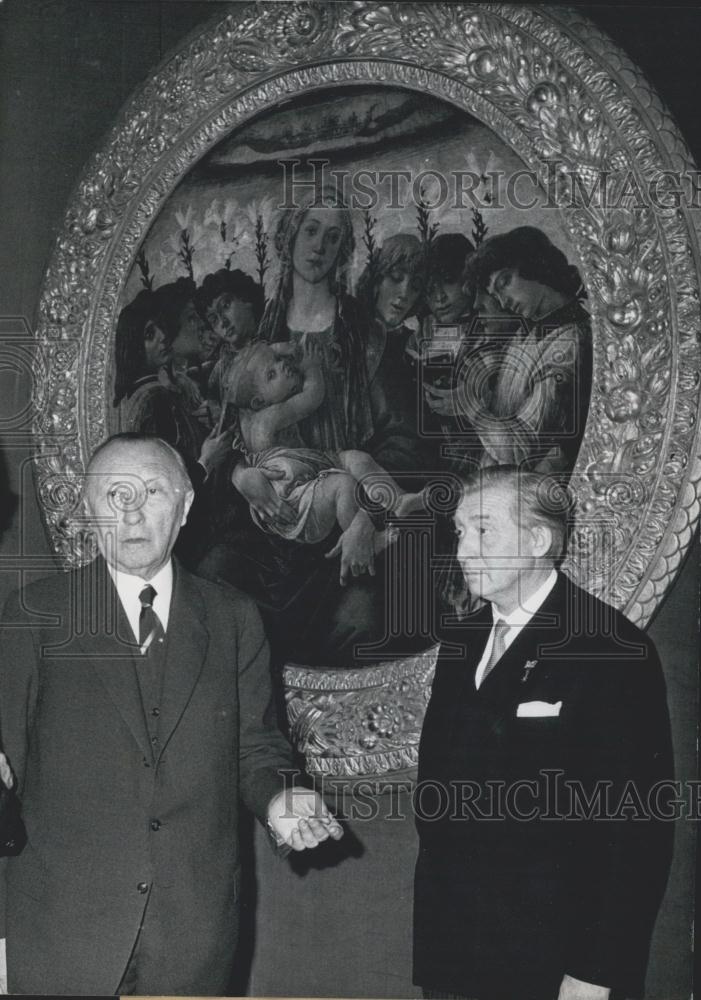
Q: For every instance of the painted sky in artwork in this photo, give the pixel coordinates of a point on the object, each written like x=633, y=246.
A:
x=373, y=129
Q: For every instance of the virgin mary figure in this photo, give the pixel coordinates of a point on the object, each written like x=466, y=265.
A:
x=311, y=618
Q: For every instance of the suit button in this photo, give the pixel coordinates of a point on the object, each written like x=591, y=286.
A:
x=142, y=887
x=155, y=712
x=155, y=824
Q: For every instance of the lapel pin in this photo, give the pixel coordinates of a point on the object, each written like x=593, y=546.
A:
x=530, y=664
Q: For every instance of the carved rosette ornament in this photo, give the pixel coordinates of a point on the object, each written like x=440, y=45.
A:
x=576, y=111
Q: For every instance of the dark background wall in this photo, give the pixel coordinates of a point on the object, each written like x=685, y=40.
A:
x=66, y=68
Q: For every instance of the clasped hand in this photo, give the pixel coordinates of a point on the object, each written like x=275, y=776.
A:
x=298, y=817
x=6, y=772
x=576, y=989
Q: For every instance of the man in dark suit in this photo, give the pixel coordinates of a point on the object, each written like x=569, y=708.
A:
x=136, y=710
x=543, y=849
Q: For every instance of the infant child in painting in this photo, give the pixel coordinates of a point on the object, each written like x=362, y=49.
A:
x=273, y=389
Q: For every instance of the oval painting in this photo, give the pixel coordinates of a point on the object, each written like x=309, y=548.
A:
x=352, y=302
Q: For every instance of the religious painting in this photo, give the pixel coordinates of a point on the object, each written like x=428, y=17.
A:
x=350, y=226
x=340, y=257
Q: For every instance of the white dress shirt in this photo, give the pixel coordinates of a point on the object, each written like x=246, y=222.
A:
x=129, y=587
x=516, y=620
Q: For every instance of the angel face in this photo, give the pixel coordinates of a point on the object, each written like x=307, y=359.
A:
x=231, y=319
x=397, y=293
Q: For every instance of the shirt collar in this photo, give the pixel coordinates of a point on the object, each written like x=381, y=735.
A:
x=525, y=611
x=129, y=586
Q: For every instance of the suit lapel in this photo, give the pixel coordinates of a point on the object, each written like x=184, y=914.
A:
x=186, y=645
x=101, y=629
x=508, y=682
x=478, y=635
x=469, y=642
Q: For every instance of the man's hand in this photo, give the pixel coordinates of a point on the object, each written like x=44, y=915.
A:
x=3, y=959
x=299, y=818
x=6, y=772
x=575, y=989
x=255, y=487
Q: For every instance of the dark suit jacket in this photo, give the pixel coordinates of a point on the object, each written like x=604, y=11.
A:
x=13, y=835
x=505, y=906
x=112, y=823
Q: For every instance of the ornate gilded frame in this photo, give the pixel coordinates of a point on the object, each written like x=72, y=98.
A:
x=557, y=90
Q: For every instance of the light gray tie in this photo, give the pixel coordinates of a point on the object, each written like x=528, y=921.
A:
x=498, y=648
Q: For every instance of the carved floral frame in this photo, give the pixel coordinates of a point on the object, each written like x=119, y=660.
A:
x=551, y=85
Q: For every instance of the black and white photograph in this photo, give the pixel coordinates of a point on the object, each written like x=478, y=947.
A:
x=350, y=457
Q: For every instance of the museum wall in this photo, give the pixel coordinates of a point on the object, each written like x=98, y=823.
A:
x=66, y=68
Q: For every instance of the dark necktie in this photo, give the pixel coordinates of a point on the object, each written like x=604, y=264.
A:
x=150, y=627
x=498, y=648
x=150, y=668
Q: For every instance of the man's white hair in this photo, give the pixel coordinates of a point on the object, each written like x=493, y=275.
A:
x=538, y=498
x=134, y=437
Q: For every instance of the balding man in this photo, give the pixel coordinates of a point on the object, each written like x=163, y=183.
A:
x=136, y=710
x=544, y=842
